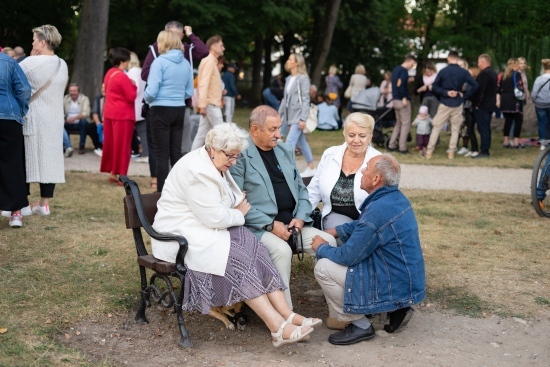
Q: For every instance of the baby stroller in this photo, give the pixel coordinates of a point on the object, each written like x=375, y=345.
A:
x=366, y=101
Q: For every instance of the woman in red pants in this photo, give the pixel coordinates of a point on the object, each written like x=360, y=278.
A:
x=119, y=116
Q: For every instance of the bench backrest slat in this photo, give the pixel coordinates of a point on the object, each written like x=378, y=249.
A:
x=150, y=207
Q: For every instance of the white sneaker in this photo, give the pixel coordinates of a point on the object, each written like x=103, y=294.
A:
x=542, y=147
x=42, y=210
x=98, y=151
x=142, y=160
x=469, y=154
x=462, y=151
x=474, y=154
x=16, y=220
x=309, y=172
x=26, y=211
x=136, y=155
x=68, y=152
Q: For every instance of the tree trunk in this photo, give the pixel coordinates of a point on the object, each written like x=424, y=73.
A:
x=256, y=92
x=90, y=51
x=322, y=46
x=288, y=42
x=268, y=65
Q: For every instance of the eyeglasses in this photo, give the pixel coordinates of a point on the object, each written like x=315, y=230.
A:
x=232, y=157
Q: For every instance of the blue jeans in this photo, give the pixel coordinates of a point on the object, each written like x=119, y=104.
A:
x=297, y=138
x=66, y=140
x=543, y=117
x=81, y=128
x=270, y=99
x=544, y=180
x=483, y=121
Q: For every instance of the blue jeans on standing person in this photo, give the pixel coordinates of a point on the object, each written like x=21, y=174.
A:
x=543, y=118
x=66, y=140
x=80, y=126
x=297, y=138
x=483, y=121
x=270, y=99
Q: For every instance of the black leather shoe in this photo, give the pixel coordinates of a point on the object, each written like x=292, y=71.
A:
x=391, y=149
x=351, y=335
x=404, y=152
x=399, y=319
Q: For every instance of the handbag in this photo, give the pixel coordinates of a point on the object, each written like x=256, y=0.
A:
x=316, y=216
x=296, y=243
x=518, y=92
x=347, y=93
x=311, y=121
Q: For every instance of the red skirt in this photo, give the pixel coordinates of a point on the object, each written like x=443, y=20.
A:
x=117, y=146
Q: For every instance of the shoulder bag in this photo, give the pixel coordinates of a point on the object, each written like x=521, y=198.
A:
x=43, y=88
x=312, y=120
x=518, y=92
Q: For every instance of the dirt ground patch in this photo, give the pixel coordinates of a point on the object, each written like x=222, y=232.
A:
x=434, y=337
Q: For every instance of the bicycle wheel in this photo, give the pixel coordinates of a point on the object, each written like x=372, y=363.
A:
x=540, y=182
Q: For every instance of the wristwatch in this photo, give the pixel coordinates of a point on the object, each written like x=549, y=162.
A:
x=268, y=227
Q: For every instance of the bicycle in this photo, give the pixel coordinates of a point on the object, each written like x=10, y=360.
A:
x=540, y=182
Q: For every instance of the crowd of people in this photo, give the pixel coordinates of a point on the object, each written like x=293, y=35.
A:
x=238, y=194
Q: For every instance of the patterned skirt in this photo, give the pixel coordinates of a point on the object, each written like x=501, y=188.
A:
x=249, y=274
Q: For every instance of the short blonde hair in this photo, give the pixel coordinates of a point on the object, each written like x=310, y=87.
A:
x=168, y=40
x=50, y=34
x=134, y=61
x=226, y=137
x=360, y=69
x=545, y=64
x=333, y=69
x=360, y=119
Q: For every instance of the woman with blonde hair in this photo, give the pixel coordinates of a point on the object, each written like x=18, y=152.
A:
x=509, y=104
x=357, y=83
x=169, y=84
x=333, y=85
x=43, y=129
x=294, y=108
x=337, y=183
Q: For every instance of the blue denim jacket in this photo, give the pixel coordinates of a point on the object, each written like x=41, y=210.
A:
x=383, y=255
x=15, y=90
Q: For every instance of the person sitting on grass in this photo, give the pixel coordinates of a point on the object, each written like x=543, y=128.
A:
x=380, y=267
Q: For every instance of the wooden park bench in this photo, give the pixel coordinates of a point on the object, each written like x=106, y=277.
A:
x=139, y=212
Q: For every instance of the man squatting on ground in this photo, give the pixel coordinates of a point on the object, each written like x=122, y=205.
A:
x=380, y=267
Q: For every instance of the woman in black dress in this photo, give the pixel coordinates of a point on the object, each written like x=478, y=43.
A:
x=509, y=104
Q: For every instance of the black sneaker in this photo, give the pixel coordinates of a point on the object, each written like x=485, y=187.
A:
x=404, y=152
x=399, y=319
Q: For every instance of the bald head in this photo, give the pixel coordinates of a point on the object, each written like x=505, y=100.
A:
x=19, y=51
x=382, y=170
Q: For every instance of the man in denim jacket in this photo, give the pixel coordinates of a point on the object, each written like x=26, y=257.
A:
x=380, y=267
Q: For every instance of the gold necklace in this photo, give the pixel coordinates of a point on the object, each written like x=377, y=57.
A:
x=357, y=167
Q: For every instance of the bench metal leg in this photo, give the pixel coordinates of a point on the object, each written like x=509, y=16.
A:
x=185, y=340
x=144, y=300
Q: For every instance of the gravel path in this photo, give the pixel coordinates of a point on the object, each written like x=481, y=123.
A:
x=481, y=179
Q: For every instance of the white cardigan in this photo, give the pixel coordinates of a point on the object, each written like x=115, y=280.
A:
x=43, y=129
x=197, y=204
x=328, y=172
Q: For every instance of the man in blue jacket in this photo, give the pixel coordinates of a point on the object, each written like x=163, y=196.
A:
x=380, y=267
x=228, y=79
x=448, y=86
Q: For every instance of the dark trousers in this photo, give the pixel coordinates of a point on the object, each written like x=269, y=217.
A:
x=151, y=146
x=13, y=195
x=470, y=127
x=167, y=129
x=513, y=118
x=46, y=189
x=81, y=128
x=483, y=121
x=85, y=128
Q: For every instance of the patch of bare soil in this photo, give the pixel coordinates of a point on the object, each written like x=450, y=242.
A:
x=432, y=338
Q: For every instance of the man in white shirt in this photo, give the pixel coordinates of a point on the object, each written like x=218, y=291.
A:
x=77, y=113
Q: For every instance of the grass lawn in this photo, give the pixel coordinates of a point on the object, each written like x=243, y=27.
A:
x=485, y=254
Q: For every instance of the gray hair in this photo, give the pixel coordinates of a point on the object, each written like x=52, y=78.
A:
x=173, y=24
x=389, y=169
x=259, y=115
x=227, y=137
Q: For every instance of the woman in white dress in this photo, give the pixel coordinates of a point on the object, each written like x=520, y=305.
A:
x=43, y=130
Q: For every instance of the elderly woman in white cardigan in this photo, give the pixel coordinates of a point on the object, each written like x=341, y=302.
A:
x=225, y=261
x=337, y=181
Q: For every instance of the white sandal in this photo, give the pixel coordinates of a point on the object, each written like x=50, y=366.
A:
x=307, y=321
x=296, y=335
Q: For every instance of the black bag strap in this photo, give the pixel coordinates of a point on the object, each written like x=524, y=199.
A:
x=296, y=243
x=542, y=86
